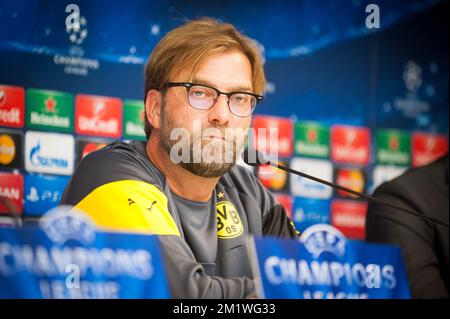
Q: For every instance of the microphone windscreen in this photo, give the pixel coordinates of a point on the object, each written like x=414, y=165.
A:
x=253, y=157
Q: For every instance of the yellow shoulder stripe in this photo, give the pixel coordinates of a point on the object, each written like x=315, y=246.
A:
x=129, y=205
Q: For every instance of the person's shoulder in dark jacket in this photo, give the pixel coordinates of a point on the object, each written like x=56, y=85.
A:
x=425, y=245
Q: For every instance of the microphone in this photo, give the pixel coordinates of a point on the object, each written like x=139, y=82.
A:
x=255, y=158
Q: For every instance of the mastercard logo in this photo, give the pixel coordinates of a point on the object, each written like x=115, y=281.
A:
x=353, y=179
x=272, y=177
x=7, y=149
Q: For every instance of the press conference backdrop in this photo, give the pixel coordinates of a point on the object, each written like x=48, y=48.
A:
x=354, y=103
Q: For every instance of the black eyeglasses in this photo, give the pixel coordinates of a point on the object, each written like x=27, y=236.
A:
x=203, y=97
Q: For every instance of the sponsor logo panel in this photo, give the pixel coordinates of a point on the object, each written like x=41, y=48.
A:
x=98, y=116
x=352, y=178
x=312, y=139
x=133, y=119
x=308, y=212
x=427, y=147
x=11, y=150
x=350, y=144
x=12, y=106
x=49, y=110
x=393, y=147
x=303, y=187
x=349, y=217
x=50, y=153
x=273, y=178
x=11, y=193
x=273, y=135
x=42, y=193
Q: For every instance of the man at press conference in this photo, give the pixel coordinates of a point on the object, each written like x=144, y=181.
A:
x=203, y=81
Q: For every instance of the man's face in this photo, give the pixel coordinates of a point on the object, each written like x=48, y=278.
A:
x=216, y=136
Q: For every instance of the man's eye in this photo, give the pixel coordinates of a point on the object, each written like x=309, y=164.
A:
x=240, y=99
x=198, y=93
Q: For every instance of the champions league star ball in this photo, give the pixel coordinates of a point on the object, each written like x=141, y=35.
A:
x=77, y=32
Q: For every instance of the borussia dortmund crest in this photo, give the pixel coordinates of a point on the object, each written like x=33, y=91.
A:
x=229, y=223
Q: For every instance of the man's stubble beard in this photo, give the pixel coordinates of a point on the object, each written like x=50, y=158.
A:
x=204, y=169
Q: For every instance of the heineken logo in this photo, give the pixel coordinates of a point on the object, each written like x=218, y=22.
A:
x=318, y=150
x=49, y=109
x=134, y=129
x=133, y=119
x=51, y=120
x=312, y=139
x=385, y=156
x=394, y=143
x=50, y=105
x=312, y=135
x=393, y=147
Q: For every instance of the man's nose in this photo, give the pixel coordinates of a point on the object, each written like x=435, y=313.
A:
x=220, y=113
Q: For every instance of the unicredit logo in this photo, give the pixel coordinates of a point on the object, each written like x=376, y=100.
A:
x=97, y=125
x=10, y=116
x=38, y=160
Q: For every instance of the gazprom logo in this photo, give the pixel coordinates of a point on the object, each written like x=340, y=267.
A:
x=38, y=160
x=64, y=223
x=322, y=238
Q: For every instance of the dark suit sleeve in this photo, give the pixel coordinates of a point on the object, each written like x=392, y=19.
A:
x=275, y=221
x=419, y=239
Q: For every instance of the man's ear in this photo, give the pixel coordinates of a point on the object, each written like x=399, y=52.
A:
x=153, y=108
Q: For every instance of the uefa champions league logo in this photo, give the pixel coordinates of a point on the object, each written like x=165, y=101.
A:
x=412, y=76
x=64, y=223
x=322, y=238
x=76, y=26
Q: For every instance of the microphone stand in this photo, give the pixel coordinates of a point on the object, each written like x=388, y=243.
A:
x=348, y=190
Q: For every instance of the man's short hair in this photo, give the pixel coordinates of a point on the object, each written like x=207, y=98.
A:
x=189, y=45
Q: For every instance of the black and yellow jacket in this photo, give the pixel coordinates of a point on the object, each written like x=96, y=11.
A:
x=204, y=244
